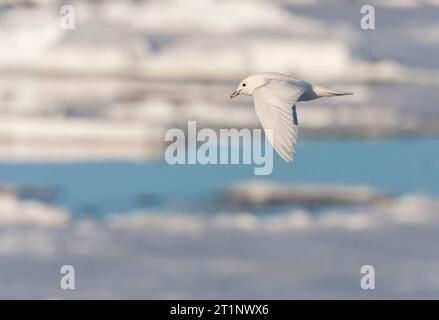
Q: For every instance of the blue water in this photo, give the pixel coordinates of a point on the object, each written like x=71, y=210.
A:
x=99, y=188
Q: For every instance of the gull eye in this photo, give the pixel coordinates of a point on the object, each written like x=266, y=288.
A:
x=243, y=84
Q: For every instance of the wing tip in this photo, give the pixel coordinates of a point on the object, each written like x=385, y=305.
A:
x=286, y=157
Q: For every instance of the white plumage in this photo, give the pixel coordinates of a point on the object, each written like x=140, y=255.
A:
x=275, y=96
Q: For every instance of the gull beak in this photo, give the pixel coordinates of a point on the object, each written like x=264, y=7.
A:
x=234, y=94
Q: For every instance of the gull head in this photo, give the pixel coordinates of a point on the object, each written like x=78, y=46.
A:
x=249, y=84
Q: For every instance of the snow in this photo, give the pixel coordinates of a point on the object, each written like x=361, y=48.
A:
x=229, y=256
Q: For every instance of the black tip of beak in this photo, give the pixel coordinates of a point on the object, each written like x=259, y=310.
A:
x=234, y=94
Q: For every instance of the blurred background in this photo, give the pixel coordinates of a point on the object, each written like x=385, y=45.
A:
x=83, y=181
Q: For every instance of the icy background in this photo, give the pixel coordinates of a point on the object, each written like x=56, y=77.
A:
x=83, y=182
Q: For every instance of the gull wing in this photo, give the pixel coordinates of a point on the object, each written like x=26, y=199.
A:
x=276, y=110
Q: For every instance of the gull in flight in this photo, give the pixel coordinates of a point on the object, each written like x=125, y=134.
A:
x=275, y=96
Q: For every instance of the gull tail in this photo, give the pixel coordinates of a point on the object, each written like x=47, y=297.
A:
x=326, y=92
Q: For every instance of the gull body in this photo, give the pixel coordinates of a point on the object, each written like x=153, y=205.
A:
x=275, y=96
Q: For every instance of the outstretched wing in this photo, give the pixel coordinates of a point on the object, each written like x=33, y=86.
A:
x=276, y=109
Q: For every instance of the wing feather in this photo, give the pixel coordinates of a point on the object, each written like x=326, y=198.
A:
x=276, y=110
